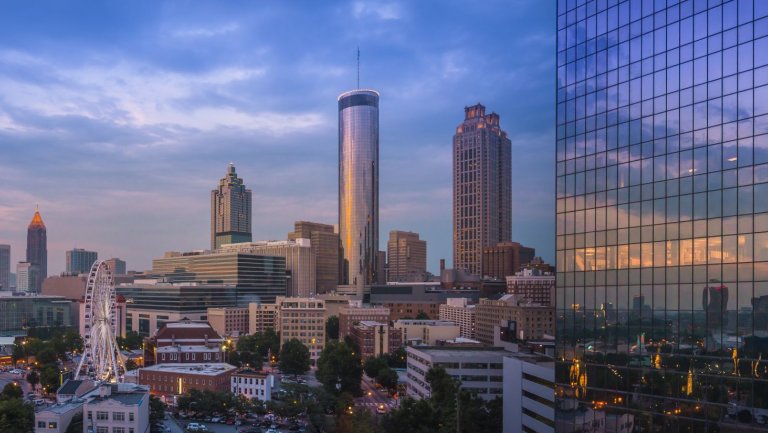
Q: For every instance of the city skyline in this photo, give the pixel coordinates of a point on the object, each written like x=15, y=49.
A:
x=174, y=112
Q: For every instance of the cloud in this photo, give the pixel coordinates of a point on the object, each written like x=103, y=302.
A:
x=207, y=32
x=378, y=10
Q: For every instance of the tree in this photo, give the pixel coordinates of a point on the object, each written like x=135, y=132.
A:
x=10, y=391
x=16, y=417
x=387, y=378
x=372, y=366
x=156, y=414
x=130, y=364
x=294, y=357
x=422, y=316
x=33, y=378
x=131, y=341
x=17, y=354
x=47, y=356
x=49, y=378
x=398, y=358
x=339, y=365
x=332, y=328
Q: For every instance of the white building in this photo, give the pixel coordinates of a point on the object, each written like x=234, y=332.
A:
x=299, y=261
x=27, y=275
x=529, y=394
x=117, y=408
x=252, y=384
x=56, y=418
x=456, y=310
x=480, y=370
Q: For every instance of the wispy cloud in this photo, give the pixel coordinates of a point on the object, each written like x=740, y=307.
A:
x=207, y=32
x=377, y=9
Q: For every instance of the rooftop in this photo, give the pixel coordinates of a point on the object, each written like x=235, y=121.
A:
x=371, y=323
x=251, y=373
x=181, y=349
x=426, y=322
x=213, y=369
x=62, y=408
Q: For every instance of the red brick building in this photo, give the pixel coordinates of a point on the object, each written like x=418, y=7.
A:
x=177, y=379
x=351, y=315
x=375, y=338
x=186, y=341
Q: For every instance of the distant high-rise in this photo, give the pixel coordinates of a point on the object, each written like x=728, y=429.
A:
x=407, y=257
x=5, y=266
x=116, y=265
x=37, y=249
x=27, y=277
x=482, y=188
x=79, y=261
x=325, y=243
x=359, y=186
x=230, y=211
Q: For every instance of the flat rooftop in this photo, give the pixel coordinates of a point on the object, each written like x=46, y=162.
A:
x=213, y=369
x=468, y=354
x=426, y=322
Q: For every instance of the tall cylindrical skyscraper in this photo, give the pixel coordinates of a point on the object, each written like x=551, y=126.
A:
x=359, y=186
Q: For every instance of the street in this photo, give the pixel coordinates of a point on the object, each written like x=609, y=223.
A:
x=373, y=397
x=6, y=378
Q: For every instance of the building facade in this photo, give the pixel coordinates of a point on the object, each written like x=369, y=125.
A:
x=258, y=277
x=37, y=249
x=375, y=338
x=482, y=188
x=117, y=408
x=326, y=247
x=170, y=380
x=527, y=321
x=229, y=321
x=252, y=384
x=426, y=332
x=480, y=370
x=353, y=314
x=359, y=186
x=662, y=126
x=230, y=211
x=299, y=258
x=529, y=394
x=458, y=311
x=27, y=277
x=262, y=317
x=79, y=261
x=505, y=259
x=116, y=265
x=534, y=285
x=304, y=320
x=17, y=313
x=407, y=257
x=5, y=267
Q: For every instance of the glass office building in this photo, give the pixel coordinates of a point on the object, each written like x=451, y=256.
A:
x=662, y=215
x=359, y=186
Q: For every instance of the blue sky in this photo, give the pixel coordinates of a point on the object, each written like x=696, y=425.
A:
x=118, y=118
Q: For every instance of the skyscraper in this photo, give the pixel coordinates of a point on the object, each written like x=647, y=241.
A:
x=407, y=257
x=79, y=261
x=662, y=164
x=37, y=250
x=5, y=266
x=359, y=186
x=482, y=188
x=325, y=243
x=116, y=265
x=230, y=211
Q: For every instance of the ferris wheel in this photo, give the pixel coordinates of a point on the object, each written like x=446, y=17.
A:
x=101, y=358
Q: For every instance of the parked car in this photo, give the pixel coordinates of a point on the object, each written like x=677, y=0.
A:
x=193, y=427
x=216, y=419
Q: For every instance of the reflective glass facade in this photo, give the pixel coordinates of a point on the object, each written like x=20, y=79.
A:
x=359, y=186
x=662, y=214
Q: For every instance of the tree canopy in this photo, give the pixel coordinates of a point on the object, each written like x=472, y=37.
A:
x=340, y=364
x=294, y=357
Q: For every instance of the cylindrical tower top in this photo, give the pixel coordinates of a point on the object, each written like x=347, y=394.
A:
x=358, y=97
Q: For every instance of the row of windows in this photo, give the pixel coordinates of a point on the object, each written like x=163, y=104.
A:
x=116, y=416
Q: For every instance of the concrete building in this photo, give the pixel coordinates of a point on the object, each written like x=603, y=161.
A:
x=230, y=211
x=37, y=251
x=229, y=321
x=375, y=338
x=407, y=300
x=458, y=311
x=426, y=332
x=117, y=408
x=326, y=248
x=350, y=315
x=17, y=313
x=27, y=277
x=481, y=370
x=5, y=267
x=505, y=259
x=185, y=341
x=529, y=394
x=262, y=317
x=407, y=257
x=173, y=380
x=359, y=187
x=482, y=188
x=260, y=277
x=299, y=258
x=56, y=418
x=79, y=261
x=252, y=384
x=335, y=302
x=116, y=265
x=304, y=320
x=533, y=285
x=151, y=303
x=528, y=321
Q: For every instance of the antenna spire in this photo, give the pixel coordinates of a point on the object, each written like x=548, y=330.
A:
x=358, y=67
